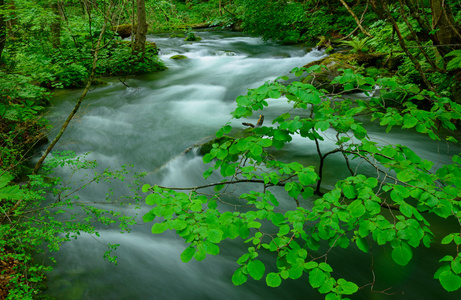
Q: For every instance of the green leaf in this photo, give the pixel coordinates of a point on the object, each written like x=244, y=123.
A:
x=196, y=206
x=239, y=278
x=214, y=235
x=322, y=125
x=356, y=208
x=456, y=266
x=211, y=248
x=450, y=281
x=325, y=267
x=332, y=296
x=349, y=191
x=254, y=224
x=448, y=239
x=316, y=277
x=362, y=244
x=402, y=254
x=265, y=142
x=145, y=188
x=152, y=199
x=256, y=269
x=310, y=265
x=149, y=217
x=159, y=227
x=187, y=254
x=327, y=286
x=200, y=253
x=347, y=287
x=281, y=135
x=273, y=279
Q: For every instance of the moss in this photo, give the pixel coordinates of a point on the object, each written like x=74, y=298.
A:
x=337, y=61
x=178, y=56
x=124, y=30
x=192, y=37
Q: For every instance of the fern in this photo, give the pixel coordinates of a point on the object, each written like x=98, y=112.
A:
x=455, y=63
x=358, y=45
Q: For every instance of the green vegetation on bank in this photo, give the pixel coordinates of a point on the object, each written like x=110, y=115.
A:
x=51, y=44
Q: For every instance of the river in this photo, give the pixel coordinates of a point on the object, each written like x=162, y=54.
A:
x=149, y=122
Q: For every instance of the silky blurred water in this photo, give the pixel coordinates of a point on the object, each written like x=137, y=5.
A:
x=149, y=122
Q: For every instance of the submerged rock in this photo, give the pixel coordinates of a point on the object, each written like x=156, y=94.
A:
x=178, y=56
x=192, y=37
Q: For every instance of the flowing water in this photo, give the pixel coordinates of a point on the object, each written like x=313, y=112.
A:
x=149, y=122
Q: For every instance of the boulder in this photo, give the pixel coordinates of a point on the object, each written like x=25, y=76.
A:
x=178, y=56
x=124, y=30
x=334, y=63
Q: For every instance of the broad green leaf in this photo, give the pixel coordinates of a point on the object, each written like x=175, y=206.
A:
x=448, y=239
x=214, y=235
x=402, y=254
x=187, y=254
x=325, y=267
x=406, y=209
x=296, y=271
x=349, y=191
x=145, y=188
x=347, y=287
x=327, y=286
x=265, y=142
x=362, y=244
x=332, y=296
x=239, y=278
x=356, y=208
x=310, y=265
x=211, y=248
x=159, y=227
x=456, y=266
x=196, y=206
x=152, y=199
x=316, y=277
x=273, y=279
x=254, y=224
x=450, y=281
x=149, y=217
x=200, y=253
x=322, y=125
x=282, y=135
x=256, y=269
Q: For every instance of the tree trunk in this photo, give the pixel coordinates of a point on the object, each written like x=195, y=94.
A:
x=56, y=26
x=61, y=11
x=141, y=29
x=2, y=30
x=442, y=20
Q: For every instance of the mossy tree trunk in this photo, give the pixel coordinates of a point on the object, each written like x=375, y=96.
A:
x=141, y=29
x=2, y=29
x=56, y=26
x=443, y=20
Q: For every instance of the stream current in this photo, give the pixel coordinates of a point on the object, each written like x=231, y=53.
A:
x=149, y=122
